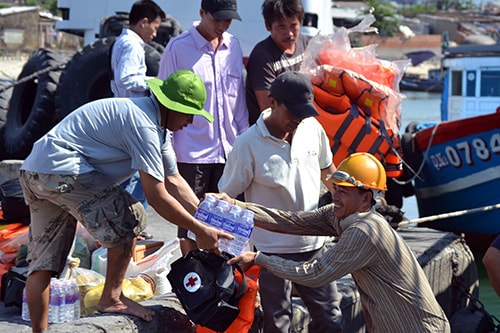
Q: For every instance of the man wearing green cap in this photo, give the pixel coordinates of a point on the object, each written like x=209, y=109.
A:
x=73, y=172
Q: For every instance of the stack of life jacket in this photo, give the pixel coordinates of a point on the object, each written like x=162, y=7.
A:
x=358, y=115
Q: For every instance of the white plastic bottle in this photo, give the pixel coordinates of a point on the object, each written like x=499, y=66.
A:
x=55, y=301
x=25, y=314
x=242, y=230
x=204, y=212
x=231, y=221
x=69, y=301
x=220, y=213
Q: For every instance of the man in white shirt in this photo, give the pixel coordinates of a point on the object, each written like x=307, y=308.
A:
x=128, y=60
x=280, y=162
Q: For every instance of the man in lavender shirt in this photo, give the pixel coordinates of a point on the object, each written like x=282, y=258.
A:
x=216, y=56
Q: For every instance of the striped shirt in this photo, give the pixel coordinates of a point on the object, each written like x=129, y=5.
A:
x=395, y=294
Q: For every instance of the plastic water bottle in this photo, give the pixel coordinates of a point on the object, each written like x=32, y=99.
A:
x=204, y=212
x=231, y=225
x=76, y=291
x=220, y=214
x=242, y=226
x=56, y=301
x=68, y=307
x=25, y=314
x=230, y=218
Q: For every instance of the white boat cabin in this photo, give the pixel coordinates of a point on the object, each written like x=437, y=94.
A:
x=472, y=81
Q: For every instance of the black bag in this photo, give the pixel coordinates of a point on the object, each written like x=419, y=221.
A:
x=204, y=284
x=13, y=283
x=13, y=206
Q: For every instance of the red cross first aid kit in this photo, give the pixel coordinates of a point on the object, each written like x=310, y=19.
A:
x=206, y=287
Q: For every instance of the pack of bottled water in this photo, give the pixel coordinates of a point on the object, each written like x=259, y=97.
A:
x=64, y=301
x=230, y=218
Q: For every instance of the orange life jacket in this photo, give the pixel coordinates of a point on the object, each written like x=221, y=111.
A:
x=350, y=129
x=373, y=98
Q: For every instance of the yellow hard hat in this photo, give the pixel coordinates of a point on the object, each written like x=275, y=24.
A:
x=360, y=170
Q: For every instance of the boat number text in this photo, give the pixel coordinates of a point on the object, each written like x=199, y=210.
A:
x=466, y=152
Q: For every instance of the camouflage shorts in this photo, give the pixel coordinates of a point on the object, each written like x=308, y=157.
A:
x=108, y=212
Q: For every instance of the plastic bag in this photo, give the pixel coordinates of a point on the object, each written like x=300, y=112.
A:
x=361, y=65
x=86, y=280
x=81, y=251
x=135, y=288
x=92, y=243
x=12, y=236
x=153, y=262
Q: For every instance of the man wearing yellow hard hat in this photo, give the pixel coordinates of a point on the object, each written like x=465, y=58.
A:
x=389, y=279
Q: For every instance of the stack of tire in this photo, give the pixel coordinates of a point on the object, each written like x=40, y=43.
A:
x=51, y=85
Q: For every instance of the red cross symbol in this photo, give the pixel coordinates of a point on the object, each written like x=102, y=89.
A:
x=191, y=281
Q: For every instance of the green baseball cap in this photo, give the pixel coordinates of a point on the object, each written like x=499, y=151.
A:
x=183, y=91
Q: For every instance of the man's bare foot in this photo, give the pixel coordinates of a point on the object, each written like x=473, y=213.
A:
x=127, y=306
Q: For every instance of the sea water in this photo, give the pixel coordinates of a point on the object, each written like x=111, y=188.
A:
x=425, y=107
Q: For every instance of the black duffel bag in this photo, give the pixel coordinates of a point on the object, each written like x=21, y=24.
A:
x=204, y=284
x=13, y=283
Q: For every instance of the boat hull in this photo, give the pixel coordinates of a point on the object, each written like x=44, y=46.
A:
x=461, y=171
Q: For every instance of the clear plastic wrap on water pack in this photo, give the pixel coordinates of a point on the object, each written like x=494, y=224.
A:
x=64, y=301
x=230, y=218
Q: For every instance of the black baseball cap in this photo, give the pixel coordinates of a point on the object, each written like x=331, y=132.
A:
x=295, y=90
x=221, y=9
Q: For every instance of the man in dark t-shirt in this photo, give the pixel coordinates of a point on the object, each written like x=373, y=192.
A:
x=282, y=51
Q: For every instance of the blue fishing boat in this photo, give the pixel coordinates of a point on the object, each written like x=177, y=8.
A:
x=455, y=164
x=460, y=171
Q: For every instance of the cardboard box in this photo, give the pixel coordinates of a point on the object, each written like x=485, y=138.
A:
x=144, y=248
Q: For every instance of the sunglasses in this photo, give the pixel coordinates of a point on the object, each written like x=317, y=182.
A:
x=345, y=177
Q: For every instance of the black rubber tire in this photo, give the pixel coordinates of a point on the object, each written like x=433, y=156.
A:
x=411, y=127
x=112, y=26
x=31, y=107
x=169, y=28
x=5, y=94
x=153, y=51
x=86, y=76
x=4, y=106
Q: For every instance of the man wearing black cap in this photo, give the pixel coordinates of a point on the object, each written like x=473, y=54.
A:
x=216, y=56
x=280, y=162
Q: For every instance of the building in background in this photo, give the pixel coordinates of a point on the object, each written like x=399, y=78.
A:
x=26, y=28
